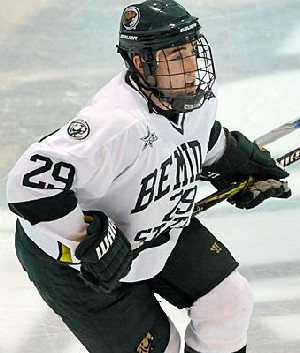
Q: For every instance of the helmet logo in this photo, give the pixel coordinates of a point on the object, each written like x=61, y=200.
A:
x=131, y=18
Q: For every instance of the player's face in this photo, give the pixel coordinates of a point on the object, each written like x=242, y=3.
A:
x=177, y=71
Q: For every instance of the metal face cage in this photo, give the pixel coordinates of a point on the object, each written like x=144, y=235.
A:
x=180, y=76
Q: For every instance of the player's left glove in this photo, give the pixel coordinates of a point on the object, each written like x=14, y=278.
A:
x=105, y=253
x=242, y=159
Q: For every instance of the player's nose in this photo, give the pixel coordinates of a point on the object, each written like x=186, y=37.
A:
x=190, y=65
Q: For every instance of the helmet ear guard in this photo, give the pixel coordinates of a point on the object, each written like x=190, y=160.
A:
x=148, y=66
x=149, y=63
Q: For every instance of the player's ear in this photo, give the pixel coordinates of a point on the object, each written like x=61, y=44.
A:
x=137, y=62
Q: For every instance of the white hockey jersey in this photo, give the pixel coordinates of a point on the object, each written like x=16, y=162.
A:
x=139, y=168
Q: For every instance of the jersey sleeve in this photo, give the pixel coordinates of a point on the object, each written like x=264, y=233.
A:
x=216, y=144
x=53, y=178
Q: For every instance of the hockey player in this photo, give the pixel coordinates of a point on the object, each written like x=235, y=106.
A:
x=105, y=203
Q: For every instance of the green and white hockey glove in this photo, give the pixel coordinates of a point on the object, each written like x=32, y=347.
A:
x=105, y=253
x=242, y=159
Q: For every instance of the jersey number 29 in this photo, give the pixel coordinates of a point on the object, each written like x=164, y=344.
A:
x=61, y=172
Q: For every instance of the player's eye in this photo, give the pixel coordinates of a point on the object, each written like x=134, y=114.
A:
x=175, y=56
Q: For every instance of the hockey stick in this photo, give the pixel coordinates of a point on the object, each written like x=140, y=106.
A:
x=290, y=157
x=279, y=132
x=221, y=195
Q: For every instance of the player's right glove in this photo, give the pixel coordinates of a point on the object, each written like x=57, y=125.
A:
x=105, y=253
x=242, y=159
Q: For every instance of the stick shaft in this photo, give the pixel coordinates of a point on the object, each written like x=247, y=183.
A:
x=289, y=158
x=278, y=132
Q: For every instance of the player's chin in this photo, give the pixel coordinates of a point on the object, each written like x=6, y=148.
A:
x=190, y=91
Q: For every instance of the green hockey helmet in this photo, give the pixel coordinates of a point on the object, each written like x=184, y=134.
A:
x=155, y=24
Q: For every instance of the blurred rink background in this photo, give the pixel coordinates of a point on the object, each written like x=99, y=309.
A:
x=54, y=55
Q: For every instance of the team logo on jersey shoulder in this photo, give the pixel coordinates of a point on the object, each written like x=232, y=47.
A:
x=78, y=129
x=149, y=139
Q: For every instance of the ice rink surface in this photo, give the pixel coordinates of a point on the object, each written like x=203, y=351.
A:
x=54, y=55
